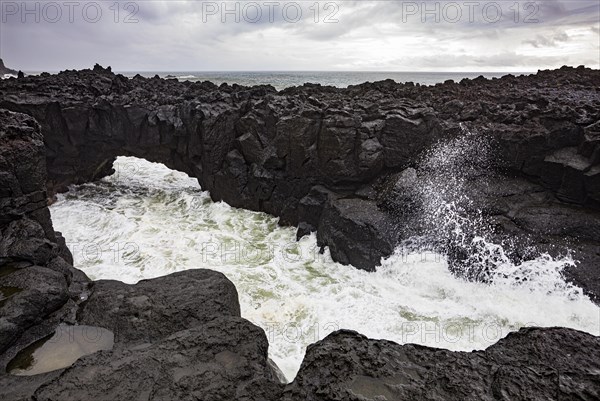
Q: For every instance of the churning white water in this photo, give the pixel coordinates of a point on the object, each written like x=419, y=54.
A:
x=147, y=221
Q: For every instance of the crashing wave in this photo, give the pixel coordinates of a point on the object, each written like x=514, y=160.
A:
x=184, y=77
x=443, y=199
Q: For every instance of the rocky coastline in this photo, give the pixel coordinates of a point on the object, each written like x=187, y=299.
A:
x=343, y=162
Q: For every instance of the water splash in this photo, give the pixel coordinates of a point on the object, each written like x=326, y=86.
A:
x=446, y=188
x=448, y=212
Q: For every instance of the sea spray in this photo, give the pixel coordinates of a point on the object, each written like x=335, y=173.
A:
x=148, y=221
x=449, y=213
x=441, y=201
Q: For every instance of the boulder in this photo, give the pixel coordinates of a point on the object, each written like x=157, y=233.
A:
x=357, y=232
x=154, y=309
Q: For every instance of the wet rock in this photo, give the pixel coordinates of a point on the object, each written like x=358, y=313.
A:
x=41, y=292
x=398, y=194
x=304, y=229
x=532, y=364
x=533, y=221
x=175, y=337
x=30, y=258
x=310, y=209
x=357, y=232
x=222, y=359
x=154, y=309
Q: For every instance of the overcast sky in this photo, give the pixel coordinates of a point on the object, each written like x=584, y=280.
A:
x=343, y=35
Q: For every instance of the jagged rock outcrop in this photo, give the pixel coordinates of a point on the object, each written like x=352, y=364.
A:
x=265, y=150
x=5, y=70
x=532, y=364
x=222, y=359
x=34, y=260
x=176, y=337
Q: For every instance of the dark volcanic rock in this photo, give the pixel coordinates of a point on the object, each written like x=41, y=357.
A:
x=357, y=232
x=22, y=166
x=310, y=209
x=176, y=337
x=223, y=359
x=32, y=260
x=41, y=292
x=532, y=364
x=154, y=309
x=329, y=159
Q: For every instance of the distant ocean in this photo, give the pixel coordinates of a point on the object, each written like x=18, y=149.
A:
x=284, y=79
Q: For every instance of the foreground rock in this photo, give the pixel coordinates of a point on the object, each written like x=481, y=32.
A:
x=176, y=337
x=318, y=157
x=532, y=364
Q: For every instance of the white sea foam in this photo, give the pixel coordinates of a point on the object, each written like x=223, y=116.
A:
x=147, y=221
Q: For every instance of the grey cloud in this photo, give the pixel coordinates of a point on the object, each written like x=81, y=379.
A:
x=548, y=41
x=172, y=35
x=498, y=60
x=529, y=19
